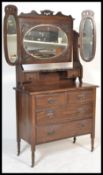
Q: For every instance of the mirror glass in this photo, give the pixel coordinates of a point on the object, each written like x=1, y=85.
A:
x=88, y=39
x=11, y=38
x=45, y=41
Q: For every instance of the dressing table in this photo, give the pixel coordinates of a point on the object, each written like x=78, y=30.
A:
x=50, y=103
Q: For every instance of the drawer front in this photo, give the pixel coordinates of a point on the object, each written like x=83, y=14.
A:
x=76, y=112
x=58, y=115
x=55, y=132
x=55, y=99
x=79, y=96
x=73, y=73
x=49, y=116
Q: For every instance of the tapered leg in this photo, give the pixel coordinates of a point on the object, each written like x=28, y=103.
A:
x=33, y=127
x=32, y=157
x=18, y=147
x=74, y=139
x=92, y=143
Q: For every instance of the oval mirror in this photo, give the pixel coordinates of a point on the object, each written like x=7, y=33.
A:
x=11, y=39
x=45, y=41
x=87, y=36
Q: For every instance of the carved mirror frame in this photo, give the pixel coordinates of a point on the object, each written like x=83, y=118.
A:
x=46, y=17
x=87, y=14
x=10, y=10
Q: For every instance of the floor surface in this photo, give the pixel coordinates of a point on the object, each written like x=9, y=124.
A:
x=55, y=157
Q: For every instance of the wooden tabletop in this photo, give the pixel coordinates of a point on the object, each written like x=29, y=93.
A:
x=35, y=89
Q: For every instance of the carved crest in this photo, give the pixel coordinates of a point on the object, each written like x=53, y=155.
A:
x=44, y=13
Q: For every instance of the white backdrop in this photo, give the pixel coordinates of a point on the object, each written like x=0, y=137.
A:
x=91, y=70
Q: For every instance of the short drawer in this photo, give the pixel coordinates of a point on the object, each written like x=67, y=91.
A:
x=73, y=73
x=76, y=112
x=55, y=99
x=49, y=116
x=79, y=96
x=70, y=129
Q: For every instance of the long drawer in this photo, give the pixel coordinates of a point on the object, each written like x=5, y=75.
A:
x=58, y=115
x=54, y=99
x=54, y=132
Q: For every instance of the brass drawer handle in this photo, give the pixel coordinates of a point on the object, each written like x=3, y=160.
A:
x=51, y=132
x=50, y=113
x=51, y=101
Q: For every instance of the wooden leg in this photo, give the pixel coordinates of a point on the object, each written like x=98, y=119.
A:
x=18, y=147
x=92, y=143
x=80, y=80
x=74, y=139
x=33, y=127
x=32, y=157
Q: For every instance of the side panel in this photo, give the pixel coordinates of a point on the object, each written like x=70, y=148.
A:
x=24, y=116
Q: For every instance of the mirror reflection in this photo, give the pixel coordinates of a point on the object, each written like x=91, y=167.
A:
x=88, y=39
x=11, y=38
x=45, y=41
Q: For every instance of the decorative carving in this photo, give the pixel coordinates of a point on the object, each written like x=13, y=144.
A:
x=87, y=13
x=47, y=12
x=24, y=27
x=60, y=14
x=32, y=13
x=11, y=9
x=65, y=27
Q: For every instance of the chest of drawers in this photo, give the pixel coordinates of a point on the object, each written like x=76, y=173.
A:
x=44, y=116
